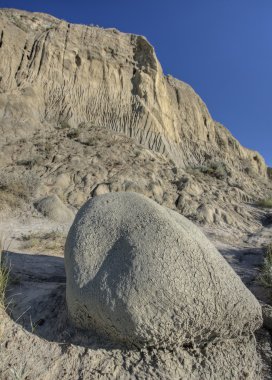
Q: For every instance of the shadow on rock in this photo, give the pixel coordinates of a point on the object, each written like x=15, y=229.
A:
x=36, y=301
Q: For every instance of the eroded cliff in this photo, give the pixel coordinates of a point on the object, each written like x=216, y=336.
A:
x=53, y=72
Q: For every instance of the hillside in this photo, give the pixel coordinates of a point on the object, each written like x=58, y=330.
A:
x=86, y=111
x=61, y=82
x=55, y=72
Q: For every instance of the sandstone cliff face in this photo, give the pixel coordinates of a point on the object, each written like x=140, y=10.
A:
x=53, y=72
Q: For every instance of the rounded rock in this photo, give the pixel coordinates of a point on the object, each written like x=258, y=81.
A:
x=53, y=208
x=145, y=275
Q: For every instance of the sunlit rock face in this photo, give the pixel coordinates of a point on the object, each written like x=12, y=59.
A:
x=56, y=72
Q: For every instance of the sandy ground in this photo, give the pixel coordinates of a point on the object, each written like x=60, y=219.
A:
x=37, y=339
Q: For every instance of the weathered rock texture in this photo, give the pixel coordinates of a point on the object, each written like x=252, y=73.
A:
x=84, y=111
x=146, y=275
x=55, y=72
x=65, y=93
x=53, y=208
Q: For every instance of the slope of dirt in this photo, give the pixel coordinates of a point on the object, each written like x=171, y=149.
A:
x=79, y=164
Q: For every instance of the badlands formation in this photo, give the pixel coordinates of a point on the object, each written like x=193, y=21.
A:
x=87, y=113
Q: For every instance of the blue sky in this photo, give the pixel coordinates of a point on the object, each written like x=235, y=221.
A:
x=222, y=48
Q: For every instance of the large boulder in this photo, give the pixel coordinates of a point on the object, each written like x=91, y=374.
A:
x=146, y=275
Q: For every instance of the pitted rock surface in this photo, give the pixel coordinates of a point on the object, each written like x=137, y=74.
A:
x=146, y=275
